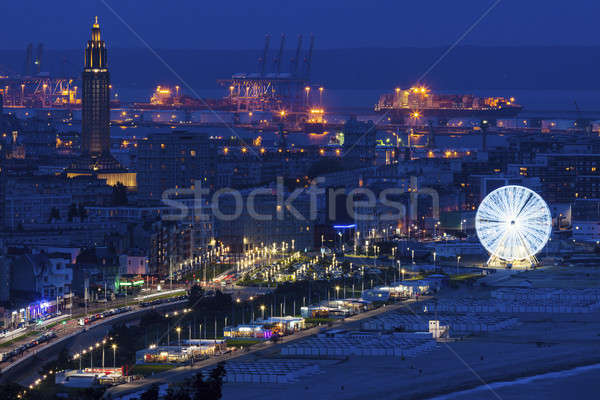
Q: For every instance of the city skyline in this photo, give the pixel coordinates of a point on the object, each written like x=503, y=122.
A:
x=285, y=235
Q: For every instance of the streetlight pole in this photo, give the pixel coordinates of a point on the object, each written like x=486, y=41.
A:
x=114, y=347
x=103, y=343
x=178, y=329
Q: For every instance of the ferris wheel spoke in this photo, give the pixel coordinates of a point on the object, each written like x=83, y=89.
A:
x=523, y=206
x=491, y=221
x=492, y=213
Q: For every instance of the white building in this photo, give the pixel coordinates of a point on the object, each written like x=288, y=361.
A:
x=133, y=265
x=47, y=275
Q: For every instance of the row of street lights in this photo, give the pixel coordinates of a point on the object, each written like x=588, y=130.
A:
x=79, y=356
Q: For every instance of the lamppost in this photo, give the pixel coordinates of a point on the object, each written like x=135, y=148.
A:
x=457, y=262
x=178, y=329
x=402, y=274
x=114, y=347
x=103, y=343
x=262, y=311
x=337, y=290
x=91, y=349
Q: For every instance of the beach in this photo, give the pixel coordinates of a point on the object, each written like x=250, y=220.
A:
x=539, y=344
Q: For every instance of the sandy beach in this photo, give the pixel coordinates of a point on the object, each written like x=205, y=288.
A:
x=540, y=343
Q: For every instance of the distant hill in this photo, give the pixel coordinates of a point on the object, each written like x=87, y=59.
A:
x=465, y=68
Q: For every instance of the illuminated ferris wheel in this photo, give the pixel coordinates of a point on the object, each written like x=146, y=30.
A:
x=513, y=223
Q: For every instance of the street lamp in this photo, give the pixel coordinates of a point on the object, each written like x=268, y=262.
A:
x=91, y=349
x=457, y=262
x=402, y=273
x=83, y=353
x=262, y=311
x=178, y=329
x=337, y=290
x=114, y=347
x=78, y=356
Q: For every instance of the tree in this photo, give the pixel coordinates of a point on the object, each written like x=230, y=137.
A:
x=119, y=195
x=177, y=393
x=10, y=390
x=196, y=293
x=63, y=361
x=210, y=388
x=216, y=380
x=150, y=394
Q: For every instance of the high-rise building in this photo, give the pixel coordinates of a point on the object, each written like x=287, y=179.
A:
x=95, y=156
x=95, y=133
x=173, y=160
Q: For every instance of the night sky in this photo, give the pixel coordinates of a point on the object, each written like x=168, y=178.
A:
x=236, y=24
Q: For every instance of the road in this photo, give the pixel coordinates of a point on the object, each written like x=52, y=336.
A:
x=69, y=334
x=70, y=325
x=181, y=373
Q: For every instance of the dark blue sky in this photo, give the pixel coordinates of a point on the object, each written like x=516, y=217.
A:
x=235, y=24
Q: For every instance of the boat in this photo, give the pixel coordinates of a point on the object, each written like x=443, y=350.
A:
x=417, y=102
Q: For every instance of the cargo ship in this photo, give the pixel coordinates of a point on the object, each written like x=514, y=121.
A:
x=418, y=102
x=167, y=97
